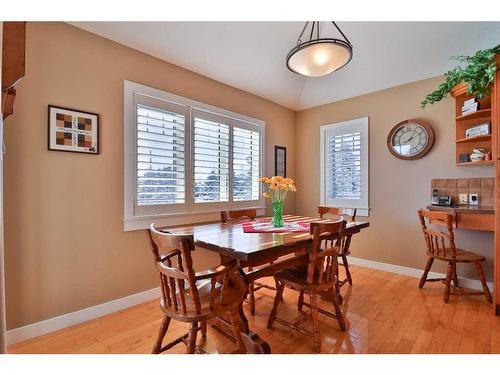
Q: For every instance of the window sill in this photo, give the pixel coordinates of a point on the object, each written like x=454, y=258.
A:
x=143, y=222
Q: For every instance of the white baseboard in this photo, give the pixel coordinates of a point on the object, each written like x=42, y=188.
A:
x=62, y=321
x=407, y=271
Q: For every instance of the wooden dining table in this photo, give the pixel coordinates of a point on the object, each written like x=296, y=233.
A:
x=255, y=250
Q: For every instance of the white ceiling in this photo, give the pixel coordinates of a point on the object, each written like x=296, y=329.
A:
x=250, y=55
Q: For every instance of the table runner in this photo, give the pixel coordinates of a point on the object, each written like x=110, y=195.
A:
x=267, y=227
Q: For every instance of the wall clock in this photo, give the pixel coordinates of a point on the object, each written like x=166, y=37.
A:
x=410, y=139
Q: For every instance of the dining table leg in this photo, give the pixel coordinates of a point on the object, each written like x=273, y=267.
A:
x=253, y=343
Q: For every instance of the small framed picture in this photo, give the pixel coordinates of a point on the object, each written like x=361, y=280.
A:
x=73, y=130
x=280, y=161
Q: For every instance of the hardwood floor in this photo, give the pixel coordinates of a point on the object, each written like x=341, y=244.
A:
x=386, y=313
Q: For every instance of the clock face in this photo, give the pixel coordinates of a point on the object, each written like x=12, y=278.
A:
x=410, y=139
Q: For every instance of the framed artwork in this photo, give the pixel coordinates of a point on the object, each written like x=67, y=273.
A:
x=280, y=161
x=73, y=130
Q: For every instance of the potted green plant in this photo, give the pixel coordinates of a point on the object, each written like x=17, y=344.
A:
x=477, y=73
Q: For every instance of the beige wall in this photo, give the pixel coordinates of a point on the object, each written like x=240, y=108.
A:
x=64, y=240
x=397, y=188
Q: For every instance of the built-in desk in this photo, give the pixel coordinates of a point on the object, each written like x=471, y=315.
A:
x=470, y=217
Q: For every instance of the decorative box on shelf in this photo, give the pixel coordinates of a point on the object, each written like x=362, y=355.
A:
x=463, y=158
x=470, y=106
x=475, y=131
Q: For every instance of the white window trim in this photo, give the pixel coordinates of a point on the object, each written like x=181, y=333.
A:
x=205, y=212
x=363, y=207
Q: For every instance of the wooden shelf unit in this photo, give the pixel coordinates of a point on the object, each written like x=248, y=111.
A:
x=13, y=62
x=492, y=106
x=463, y=122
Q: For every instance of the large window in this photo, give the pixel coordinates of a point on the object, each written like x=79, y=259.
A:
x=185, y=161
x=344, y=165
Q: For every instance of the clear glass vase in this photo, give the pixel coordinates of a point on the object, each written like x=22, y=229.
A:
x=277, y=214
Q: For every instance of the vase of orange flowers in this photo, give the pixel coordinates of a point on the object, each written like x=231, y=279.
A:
x=275, y=189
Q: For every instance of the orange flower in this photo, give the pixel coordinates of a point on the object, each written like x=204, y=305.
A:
x=277, y=179
x=278, y=183
x=274, y=185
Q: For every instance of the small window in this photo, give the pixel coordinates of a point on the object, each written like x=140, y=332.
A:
x=344, y=165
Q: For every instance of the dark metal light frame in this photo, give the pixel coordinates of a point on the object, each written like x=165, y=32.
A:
x=302, y=45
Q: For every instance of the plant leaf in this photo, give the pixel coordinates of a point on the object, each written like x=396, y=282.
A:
x=478, y=74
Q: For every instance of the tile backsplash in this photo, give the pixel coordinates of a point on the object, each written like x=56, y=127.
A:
x=455, y=186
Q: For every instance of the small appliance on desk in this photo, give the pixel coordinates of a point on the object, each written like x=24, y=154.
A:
x=437, y=200
x=474, y=199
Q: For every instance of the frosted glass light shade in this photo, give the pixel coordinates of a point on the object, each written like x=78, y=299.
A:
x=319, y=58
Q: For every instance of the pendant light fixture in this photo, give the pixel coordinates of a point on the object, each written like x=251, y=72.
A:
x=319, y=56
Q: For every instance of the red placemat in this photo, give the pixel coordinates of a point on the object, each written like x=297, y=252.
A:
x=267, y=227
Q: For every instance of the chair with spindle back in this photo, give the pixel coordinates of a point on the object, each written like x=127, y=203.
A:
x=193, y=297
x=348, y=214
x=441, y=246
x=318, y=275
x=251, y=213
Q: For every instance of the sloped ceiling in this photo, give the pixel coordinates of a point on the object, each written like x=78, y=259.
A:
x=250, y=55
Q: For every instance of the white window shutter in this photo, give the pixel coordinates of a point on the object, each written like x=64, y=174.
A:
x=344, y=164
x=246, y=164
x=211, y=160
x=160, y=157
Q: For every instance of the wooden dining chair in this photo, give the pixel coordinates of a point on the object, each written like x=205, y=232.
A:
x=318, y=275
x=193, y=297
x=441, y=246
x=348, y=214
x=251, y=213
